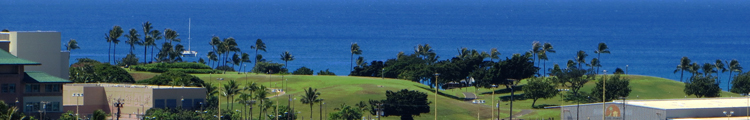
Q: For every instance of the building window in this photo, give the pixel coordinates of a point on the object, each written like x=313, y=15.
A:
x=53, y=106
x=187, y=104
x=171, y=103
x=11, y=88
x=159, y=103
x=31, y=107
x=4, y=88
x=52, y=87
x=32, y=88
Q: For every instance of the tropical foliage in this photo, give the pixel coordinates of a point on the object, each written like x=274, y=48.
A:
x=702, y=86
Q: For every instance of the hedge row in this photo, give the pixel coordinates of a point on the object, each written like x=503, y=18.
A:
x=183, y=65
x=161, y=70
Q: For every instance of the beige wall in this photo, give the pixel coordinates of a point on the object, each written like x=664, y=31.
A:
x=43, y=47
x=136, y=98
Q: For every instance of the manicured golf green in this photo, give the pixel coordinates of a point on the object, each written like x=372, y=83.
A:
x=337, y=90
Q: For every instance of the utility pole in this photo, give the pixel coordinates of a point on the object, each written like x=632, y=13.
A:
x=436, y=91
x=604, y=94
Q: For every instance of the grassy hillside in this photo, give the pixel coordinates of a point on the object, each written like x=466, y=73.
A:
x=350, y=90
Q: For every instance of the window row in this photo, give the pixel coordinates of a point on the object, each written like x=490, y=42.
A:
x=8, y=88
x=34, y=88
x=39, y=106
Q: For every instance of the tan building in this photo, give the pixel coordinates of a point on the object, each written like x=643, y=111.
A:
x=39, y=46
x=37, y=94
x=86, y=98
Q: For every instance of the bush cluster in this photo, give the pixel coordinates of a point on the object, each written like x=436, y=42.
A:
x=186, y=67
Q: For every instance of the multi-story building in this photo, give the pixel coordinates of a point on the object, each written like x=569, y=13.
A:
x=85, y=98
x=39, y=46
x=34, y=93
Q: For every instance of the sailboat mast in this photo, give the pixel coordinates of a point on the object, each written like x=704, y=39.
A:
x=189, y=34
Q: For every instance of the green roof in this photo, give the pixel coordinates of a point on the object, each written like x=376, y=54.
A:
x=41, y=77
x=10, y=59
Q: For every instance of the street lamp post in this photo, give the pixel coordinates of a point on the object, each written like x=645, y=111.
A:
x=78, y=95
x=604, y=93
x=728, y=114
x=382, y=74
x=436, y=91
x=118, y=104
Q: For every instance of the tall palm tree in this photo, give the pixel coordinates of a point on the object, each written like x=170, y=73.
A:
x=245, y=59
x=147, y=40
x=311, y=96
x=536, y=47
x=354, y=50
x=570, y=64
x=494, y=54
x=171, y=35
x=708, y=68
x=71, y=45
x=114, y=34
x=581, y=58
x=286, y=57
x=212, y=56
x=230, y=89
x=155, y=35
x=236, y=60
x=684, y=65
x=361, y=61
x=734, y=66
x=694, y=69
x=245, y=100
x=595, y=63
x=719, y=67
x=424, y=51
x=547, y=47
x=260, y=94
x=251, y=88
x=133, y=39
x=602, y=48
x=228, y=45
x=259, y=45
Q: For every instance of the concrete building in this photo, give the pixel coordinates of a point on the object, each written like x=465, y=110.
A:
x=39, y=46
x=34, y=93
x=667, y=109
x=86, y=98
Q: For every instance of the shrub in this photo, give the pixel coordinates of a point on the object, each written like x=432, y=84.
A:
x=263, y=67
x=187, y=67
x=225, y=68
x=303, y=71
x=173, y=77
x=321, y=72
x=129, y=60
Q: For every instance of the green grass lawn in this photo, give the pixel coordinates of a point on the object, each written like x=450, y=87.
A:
x=337, y=90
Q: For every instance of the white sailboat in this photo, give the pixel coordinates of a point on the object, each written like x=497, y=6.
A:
x=189, y=52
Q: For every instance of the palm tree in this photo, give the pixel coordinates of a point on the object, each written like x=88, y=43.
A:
x=581, y=58
x=228, y=45
x=260, y=94
x=570, y=64
x=354, y=50
x=155, y=35
x=424, y=51
x=252, y=88
x=71, y=45
x=133, y=39
x=311, y=97
x=259, y=45
x=245, y=100
x=547, y=47
x=536, y=47
x=733, y=66
x=694, y=68
x=245, y=59
x=594, y=63
x=361, y=61
x=114, y=34
x=230, y=89
x=494, y=54
x=719, y=67
x=171, y=35
x=286, y=57
x=212, y=56
x=708, y=68
x=684, y=65
x=602, y=48
x=236, y=60
x=147, y=40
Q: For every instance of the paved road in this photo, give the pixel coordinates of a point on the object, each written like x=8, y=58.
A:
x=469, y=96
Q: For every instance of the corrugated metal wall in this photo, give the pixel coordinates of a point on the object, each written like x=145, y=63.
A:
x=630, y=112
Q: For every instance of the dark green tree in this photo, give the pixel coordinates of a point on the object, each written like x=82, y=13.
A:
x=574, y=78
x=99, y=115
x=176, y=78
x=617, y=86
x=171, y=35
x=71, y=45
x=147, y=39
x=702, y=86
x=8, y=112
x=321, y=72
x=581, y=58
x=303, y=71
x=546, y=48
x=683, y=66
x=346, y=112
x=112, y=37
x=708, y=68
x=406, y=104
x=538, y=88
x=230, y=89
x=595, y=63
x=311, y=96
x=741, y=84
x=70, y=115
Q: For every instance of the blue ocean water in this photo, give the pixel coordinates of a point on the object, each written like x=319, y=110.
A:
x=649, y=36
